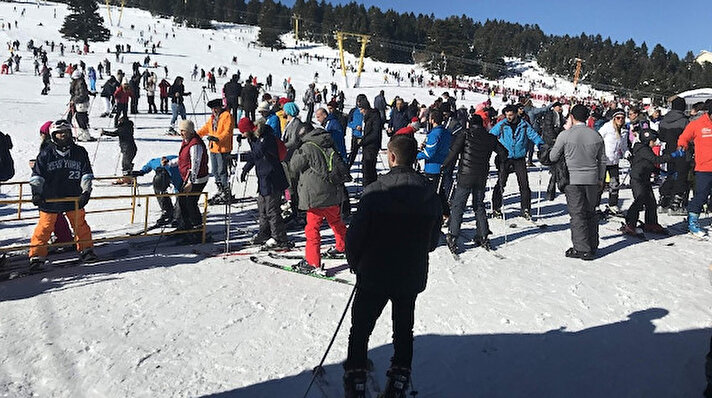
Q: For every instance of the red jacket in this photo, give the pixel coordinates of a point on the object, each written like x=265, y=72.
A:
x=699, y=131
x=164, y=85
x=122, y=96
x=193, y=160
x=406, y=130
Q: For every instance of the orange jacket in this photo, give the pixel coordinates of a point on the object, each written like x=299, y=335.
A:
x=700, y=132
x=223, y=133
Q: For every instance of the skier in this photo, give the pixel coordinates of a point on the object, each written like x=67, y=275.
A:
x=46, y=75
x=319, y=196
x=674, y=191
x=309, y=99
x=583, y=151
x=371, y=141
x=62, y=170
x=513, y=133
x=127, y=145
x=271, y=182
x=150, y=87
x=163, y=86
x=79, y=104
x=267, y=113
x=107, y=93
x=192, y=162
x=121, y=96
x=379, y=103
x=551, y=123
x=616, y=145
x=355, y=123
x=218, y=130
x=231, y=91
x=91, y=74
x=135, y=84
x=643, y=164
x=387, y=244
x=699, y=132
x=177, y=92
x=164, y=177
x=248, y=96
x=473, y=148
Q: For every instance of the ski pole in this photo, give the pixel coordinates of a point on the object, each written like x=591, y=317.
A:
x=319, y=368
x=538, y=202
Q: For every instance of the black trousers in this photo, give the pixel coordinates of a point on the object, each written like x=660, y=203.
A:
x=678, y=185
x=613, y=185
x=127, y=157
x=581, y=201
x=368, y=165
x=643, y=196
x=188, y=207
x=121, y=109
x=519, y=167
x=134, y=105
x=164, y=104
x=355, y=145
x=367, y=308
x=152, y=104
x=271, y=223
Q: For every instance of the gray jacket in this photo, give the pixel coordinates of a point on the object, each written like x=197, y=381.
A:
x=290, y=137
x=309, y=165
x=584, y=152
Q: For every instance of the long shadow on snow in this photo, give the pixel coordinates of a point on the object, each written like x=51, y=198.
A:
x=621, y=359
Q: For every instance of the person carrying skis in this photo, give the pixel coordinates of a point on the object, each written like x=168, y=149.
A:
x=473, y=148
x=62, y=170
x=192, y=163
x=127, y=145
x=699, y=132
x=318, y=195
x=643, y=164
x=387, y=244
x=271, y=182
x=218, y=132
x=165, y=176
x=513, y=133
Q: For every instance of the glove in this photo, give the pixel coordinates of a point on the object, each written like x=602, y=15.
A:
x=627, y=155
x=38, y=200
x=233, y=160
x=212, y=138
x=137, y=173
x=83, y=199
x=678, y=153
x=239, y=138
x=243, y=176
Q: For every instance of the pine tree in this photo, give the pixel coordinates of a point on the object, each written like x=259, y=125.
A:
x=269, y=34
x=84, y=22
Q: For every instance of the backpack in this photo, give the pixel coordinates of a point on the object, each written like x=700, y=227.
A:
x=281, y=150
x=539, y=121
x=7, y=165
x=337, y=172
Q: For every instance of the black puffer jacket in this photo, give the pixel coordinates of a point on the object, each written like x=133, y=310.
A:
x=397, y=224
x=372, y=130
x=644, y=163
x=671, y=127
x=549, y=129
x=474, y=149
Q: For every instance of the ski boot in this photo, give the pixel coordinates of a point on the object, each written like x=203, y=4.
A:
x=332, y=252
x=693, y=225
x=165, y=219
x=451, y=241
x=355, y=383
x=273, y=244
x=632, y=230
x=655, y=229
x=497, y=213
x=613, y=211
x=573, y=253
x=397, y=384
x=258, y=240
x=88, y=256
x=527, y=215
x=303, y=267
x=37, y=264
x=483, y=242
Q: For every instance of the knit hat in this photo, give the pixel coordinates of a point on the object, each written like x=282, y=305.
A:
x=282, y=101
x=245, y=125
x=555, y=104
x=264, y=107
x=618, y=112
x=44, y=130
x=679, y=104
x=186, y=125
x=291, y=109
x=77, y=74
x=124, y=82
x=579, y=112
x=415, y=123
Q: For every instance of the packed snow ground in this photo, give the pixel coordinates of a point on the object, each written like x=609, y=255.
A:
x=635, y=322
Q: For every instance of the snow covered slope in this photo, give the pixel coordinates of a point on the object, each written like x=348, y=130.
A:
x=634, y=323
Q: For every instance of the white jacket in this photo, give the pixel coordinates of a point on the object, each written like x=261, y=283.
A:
x=615, y=145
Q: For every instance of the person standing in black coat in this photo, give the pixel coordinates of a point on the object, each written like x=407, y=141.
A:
x=387, y=245
x=232, y=91
x=135, y=84
x=473, y=148
x=249, y=99
x=371, y=141
x=127, y=145
x=675, y=190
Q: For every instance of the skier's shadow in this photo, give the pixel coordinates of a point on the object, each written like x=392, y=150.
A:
x=621, y=359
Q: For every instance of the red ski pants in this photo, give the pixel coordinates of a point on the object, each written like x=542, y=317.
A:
x=311, y=231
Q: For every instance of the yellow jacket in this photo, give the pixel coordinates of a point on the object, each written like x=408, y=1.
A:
x=282, y=119
x=223, y=133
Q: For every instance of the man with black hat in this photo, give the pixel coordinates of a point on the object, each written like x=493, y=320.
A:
x=514, y=133
x=218, y=132
x=583, y=151
x=674, y=191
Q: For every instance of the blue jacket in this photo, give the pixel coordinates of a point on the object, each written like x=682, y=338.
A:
x=437, y=147
x=91, y=74
x=155, y=163
x=355, y=120
x=263, y=156
x=516, y=141
x=273, y=121
x=337, y=134
x=398, y=119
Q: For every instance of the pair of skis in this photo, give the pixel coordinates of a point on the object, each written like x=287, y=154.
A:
x=21, y=272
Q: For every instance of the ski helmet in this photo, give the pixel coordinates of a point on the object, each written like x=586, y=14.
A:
x=161, y=180
x=61, y=126
x=77, y=74
x=647, y=135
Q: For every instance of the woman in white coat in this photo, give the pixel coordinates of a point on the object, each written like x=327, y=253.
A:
x=616, y=145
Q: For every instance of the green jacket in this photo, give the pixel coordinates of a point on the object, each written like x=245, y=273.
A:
x=309, y=165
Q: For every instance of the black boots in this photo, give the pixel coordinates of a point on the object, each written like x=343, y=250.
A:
x=355, y=383
x=398, y=382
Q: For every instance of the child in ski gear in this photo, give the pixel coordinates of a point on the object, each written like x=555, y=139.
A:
x=165, y=176
x=387, y=244
x=318, y=196
x=125, y=132
x=62, y=170
x=218, y=131
x=643, y=164
x=699, y=132
x=271, y=182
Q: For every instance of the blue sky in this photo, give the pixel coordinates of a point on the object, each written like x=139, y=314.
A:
x=679, y=26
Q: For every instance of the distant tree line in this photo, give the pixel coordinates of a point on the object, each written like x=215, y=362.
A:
x=453, y=46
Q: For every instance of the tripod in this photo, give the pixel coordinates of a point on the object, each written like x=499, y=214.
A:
x=203, y=96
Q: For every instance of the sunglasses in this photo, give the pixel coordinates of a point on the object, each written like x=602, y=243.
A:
x=619, y=118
